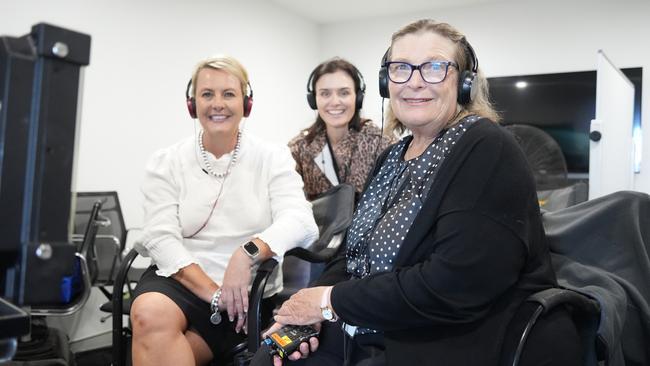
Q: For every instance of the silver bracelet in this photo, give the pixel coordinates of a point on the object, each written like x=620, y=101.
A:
x=215, y=318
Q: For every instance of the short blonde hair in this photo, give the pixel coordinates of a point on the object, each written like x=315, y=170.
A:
x=480, y=104
x=222, y=62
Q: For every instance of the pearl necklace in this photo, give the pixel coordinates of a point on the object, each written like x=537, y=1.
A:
x=206, y=162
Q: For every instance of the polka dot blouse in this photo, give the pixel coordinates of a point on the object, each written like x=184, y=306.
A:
x=392, y=201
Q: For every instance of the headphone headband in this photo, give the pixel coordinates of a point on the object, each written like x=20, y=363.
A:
x=362, y=82
x=189, y=86
x=384, y=59
x=360, y=91
x=191, y=101
x=472, y=55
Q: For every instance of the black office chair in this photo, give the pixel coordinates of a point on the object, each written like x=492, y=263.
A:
x=105, y=253
x=332, y=213
x=600, y=251
x=83, y=271
x=601, y=248
x=584, y=311
x=110, y=237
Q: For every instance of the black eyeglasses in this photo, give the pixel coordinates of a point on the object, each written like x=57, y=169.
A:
x=432, y=72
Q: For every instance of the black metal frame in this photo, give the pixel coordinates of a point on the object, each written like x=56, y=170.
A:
x=585, y=314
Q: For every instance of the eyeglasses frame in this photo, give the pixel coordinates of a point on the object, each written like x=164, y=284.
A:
x=419, y=68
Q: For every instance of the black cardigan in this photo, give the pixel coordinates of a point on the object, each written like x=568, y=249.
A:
x=475, y=251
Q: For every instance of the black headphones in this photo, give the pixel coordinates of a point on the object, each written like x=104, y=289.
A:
x=360, y=92
x=465, y=81
x=383, y=76
x=191, y=101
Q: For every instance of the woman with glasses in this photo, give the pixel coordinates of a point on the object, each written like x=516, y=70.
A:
x=340, y=146
x=447, y=240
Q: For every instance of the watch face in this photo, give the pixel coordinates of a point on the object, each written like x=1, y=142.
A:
x=251, y=249
x=327, y=313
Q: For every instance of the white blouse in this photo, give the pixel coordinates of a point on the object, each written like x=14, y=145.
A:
x=261, y=197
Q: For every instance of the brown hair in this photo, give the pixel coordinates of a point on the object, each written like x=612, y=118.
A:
x=328, y=67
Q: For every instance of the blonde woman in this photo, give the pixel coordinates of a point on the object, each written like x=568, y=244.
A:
x=216, y=205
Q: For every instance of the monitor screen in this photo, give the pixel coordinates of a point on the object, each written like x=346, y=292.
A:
x=561, y=104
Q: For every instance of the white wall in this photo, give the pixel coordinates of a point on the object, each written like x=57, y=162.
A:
x=517, y=38
x=142, y=55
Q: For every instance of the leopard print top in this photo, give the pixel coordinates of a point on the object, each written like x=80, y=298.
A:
x=356, y=154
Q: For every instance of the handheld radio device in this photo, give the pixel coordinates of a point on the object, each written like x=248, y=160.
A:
x=286, y=340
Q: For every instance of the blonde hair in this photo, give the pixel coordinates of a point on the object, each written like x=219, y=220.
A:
x=222, y=62
x=480, y=104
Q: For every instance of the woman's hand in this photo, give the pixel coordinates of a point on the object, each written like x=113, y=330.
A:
x=303, y=308
x=303, y=350
x=234, y=290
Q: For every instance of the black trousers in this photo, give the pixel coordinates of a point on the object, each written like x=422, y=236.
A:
x=554, y=341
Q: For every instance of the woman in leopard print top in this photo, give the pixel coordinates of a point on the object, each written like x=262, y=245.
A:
x=339, y=147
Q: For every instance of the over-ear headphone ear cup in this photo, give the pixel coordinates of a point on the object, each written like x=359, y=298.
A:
x=190, y=102
x=191, y=107
x=311, y=100
x=358, y=103
x=465, y=84
x=248, y=105
x=383, y=82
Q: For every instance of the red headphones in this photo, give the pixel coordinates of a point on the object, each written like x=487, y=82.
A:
x=191, y=102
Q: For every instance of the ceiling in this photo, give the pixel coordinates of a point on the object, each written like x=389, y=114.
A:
x=332, y=11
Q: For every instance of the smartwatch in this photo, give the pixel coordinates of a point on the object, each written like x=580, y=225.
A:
x=251, y=250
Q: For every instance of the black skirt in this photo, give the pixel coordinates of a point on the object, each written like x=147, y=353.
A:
x=221, y=338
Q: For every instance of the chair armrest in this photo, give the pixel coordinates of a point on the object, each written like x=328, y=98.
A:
x=553, y=297
x=257, y=291
x=120, y=280
x=321, y=256
x=541, y=303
